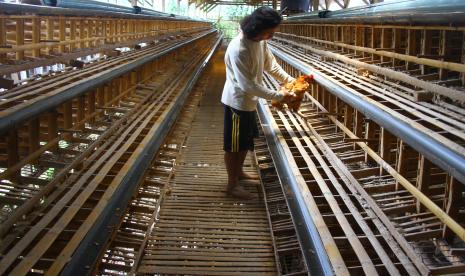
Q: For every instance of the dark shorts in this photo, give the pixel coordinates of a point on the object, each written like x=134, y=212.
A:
x=240, y=128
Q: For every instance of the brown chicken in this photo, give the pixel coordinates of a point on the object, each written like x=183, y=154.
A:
x=298, y=88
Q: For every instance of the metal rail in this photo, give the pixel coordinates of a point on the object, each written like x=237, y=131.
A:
x=73, y=10
x=18, y=114
x=407, y=11
x=442, y=155
x=313, y=248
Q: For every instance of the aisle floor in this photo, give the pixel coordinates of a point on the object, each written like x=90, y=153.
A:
x=202, y=230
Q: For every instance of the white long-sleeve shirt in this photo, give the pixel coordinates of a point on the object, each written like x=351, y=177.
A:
x=246, y=60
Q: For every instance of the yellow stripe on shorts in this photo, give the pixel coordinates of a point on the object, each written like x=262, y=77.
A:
x=235, y=133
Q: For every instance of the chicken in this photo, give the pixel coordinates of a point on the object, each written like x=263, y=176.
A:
x=298, y=88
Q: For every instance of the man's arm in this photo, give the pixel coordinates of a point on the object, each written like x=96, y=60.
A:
x=246, y=80
x=272, y=67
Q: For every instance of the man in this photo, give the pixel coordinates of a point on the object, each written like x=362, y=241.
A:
x=247, y=57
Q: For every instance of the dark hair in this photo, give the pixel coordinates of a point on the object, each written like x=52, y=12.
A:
x=261, y=19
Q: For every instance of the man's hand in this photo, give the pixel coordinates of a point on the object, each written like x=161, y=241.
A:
x=287, y=97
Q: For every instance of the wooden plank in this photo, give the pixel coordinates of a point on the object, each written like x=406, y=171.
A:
x=452, y=269
x=424, y=235
x=253, y=258
x=208, y=241
x=204, y=271
x=206, y=250
x=239, y=265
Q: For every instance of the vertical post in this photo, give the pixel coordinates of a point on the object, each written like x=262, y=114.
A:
x=91, y=104
x=34, y=135
x=82, y=35
x=370, y=134
x=454, y=201
x=81, y=109
x=133, y=82
x=412, y=37
x=396, y=45
x=386, y=41
x=89, y=27
x=406, y=160
x=358, y=127
x=426, y=37
x=462, y=57
x=107, y=94
x=359, y=38
x=52, y=132
x=385, y=148
x=348, y=117
x=13, y=153
x=100, y=97
x=3, y=41
x=19, y=38
x=68, y=118
x=375, y=41
x=444, y=51
x=50, y=26
x=36, y=36
x=72, y=34
x=62, y=34
x=423, y=179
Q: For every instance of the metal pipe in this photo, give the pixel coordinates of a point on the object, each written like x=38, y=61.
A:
x=407, y=11
x=86, y=255
x=17, y=118
x=88, y=4
x=145, y=11
x=438, y=153
x=13, y=9
x=313, y=249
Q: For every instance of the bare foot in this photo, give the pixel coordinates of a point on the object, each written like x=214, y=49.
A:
x=244, y=176
x=239, y=192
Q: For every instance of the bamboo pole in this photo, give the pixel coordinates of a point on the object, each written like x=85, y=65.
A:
x=441, y=90
x=452, y=66
x=428, y=203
